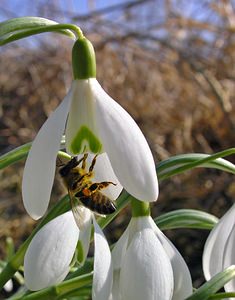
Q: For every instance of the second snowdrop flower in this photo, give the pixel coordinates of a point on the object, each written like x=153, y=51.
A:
x=147, y=265
x=94, y=123
x=218, y=252
x=49, y=255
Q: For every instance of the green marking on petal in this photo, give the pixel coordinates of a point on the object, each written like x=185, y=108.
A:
x=85, y=134
x=80, y=252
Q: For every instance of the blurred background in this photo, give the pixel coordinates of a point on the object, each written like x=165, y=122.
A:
x=169, y=63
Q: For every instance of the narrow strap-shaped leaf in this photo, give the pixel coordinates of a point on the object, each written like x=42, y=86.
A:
x=213, y=285
x=186, y=218
x=14, y=155
x=222, y=296
x=181, y=163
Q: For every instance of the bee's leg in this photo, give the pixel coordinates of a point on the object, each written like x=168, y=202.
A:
x=93, y=163
x=74, y=162
x=97, y=186
x=84, y=161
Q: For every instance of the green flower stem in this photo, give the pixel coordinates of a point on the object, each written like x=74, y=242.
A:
x=139, y=208
x=17, y=259
x=60, y=289
x=59, y=28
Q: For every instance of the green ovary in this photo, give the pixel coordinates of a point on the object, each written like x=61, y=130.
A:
x=85, y=134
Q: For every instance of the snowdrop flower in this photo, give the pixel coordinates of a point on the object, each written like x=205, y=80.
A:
x=218, y=252
x=147, y=265
x=93, y=122
x=48, y=257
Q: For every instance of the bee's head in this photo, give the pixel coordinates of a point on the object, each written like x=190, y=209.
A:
x=65, y=170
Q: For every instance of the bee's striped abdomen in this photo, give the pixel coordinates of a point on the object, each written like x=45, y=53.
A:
x=97, y=202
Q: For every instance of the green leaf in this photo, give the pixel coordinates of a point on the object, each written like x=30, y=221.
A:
x=181, y=163
x=213, y=285
x=14, y=156
x=21, y=152
x=186, y=218
x=222, y=296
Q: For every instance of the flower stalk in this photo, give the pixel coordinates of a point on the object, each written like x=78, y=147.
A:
x=139, y=208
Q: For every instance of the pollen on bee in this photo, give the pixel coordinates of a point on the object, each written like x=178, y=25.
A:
x=86, y=192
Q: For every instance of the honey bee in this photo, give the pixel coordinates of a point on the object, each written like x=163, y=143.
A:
x=81, y=189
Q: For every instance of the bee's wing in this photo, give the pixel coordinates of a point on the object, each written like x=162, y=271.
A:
x=78, y=211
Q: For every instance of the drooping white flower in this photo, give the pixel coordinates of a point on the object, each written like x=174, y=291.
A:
x=218, y=252
x=48, y=257
x=50, y=252
x=93, y=122
x=147, y=265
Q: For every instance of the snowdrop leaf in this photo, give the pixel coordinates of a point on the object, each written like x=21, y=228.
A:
x=181, y=163
x=102, y=278
x=126, y=147
x=146, y=271
x=186, y=218
x=213, y=285
x=39, y=171
x=14, y=155
x=50, y=252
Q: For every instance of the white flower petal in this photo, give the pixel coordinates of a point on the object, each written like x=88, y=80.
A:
x=229, y=258
x=50, y=252
x=81, y=133
x=116, y=289
x=40, y=165
x=214, y=248
x=102, y=278
x=182, y=278
x=103, y=172
x=126, y=147
x=85, y=223
x=120, y=248
x=146, y=271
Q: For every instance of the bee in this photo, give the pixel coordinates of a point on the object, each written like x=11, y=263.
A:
x=81, y=188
